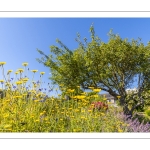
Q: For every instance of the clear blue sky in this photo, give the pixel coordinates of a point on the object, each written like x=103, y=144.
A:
x=20, y=37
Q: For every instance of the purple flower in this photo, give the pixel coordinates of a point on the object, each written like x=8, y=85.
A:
x=12, y=78
x=134, y=125
x=14, y=87
x=50, y=90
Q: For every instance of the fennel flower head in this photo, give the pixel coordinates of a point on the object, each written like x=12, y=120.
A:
x=42, y=73
x=2, y=63
x=9, y=71
x=20, y=70
x=34, y=71
x=25, y=64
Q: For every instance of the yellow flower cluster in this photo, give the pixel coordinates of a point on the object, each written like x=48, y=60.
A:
x=96, y=90
x=23, y=110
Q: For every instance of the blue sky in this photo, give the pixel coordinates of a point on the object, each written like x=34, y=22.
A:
x=20, y=37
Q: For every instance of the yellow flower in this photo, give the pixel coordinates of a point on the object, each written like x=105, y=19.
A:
x=25, y=79
x=77, y=110
x=95, y=96
x=74, y=97
x=16, y=72
x=19, y=82
x=5, y=116
x=80, y=97
x=91, y=87
x=9, y=71
x=18, y=96
x=8, y=100
x=7, y=126
x=90, y=110
x=118, y=97
x=34, y=71
x=82, y=117
x=42, y=73
x=1, y=81
x=36, y=100
x=41, y=114
x=119, y=130
x=70, y=90
x=46, y=119
x=2, y=63
x=96, y=90
x=20, y=70
x=24, y=64
x=37, y=120
x=83, y=111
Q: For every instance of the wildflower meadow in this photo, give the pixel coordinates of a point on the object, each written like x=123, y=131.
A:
x=27, y=107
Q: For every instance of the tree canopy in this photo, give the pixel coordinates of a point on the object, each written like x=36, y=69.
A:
x=112, y=66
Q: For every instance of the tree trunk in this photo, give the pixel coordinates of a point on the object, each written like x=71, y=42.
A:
x=127, y=112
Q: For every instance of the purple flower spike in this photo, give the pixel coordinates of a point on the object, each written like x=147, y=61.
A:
x=134, y=125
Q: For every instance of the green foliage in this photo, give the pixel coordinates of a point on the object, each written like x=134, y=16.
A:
x=147, y=112
x=111, y=66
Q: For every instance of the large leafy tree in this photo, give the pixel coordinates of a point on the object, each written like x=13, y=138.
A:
x=111, y=66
